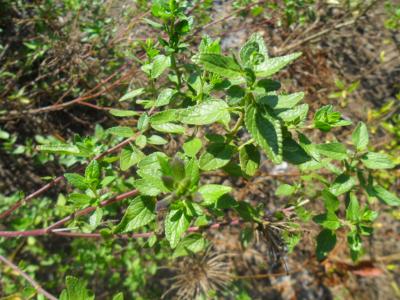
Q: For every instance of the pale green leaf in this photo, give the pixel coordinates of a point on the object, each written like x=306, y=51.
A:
x=139, y=213
x=204, y=113
x=176, y=223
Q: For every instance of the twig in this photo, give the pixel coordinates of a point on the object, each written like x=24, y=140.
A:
x=36, y=285
x=46, y=187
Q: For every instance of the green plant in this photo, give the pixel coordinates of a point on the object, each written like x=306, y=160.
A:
x=222, y=112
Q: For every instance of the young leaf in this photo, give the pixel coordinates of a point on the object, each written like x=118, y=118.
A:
x=59, y=148
x=159, y=65
x=249, y=158
x=164, y=97
x=192, y=147
x=360, y=137
x=132, y=94
x=118, y=296
x=212, y=192
x=122, y=131
x=192, y=243
x=266, y=131
x=330, y=200
x=75, y=290
x=176, y=223
x=95, y=218
x=273, y=65
x=353, y=212
x=252, y=49
x=92, y=171
x=139, y=213
x=219, y=64
x=166, y=116
x=328, y=220
x=285, y=190
x=156, y=140
x=123, y=113
x=129, y=157
x=76, y=180
x=205, y=113
x=374, y=160
x=216, y=156
x=169, y=128
x=143, y=122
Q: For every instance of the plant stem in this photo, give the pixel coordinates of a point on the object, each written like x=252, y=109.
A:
x=36, y=285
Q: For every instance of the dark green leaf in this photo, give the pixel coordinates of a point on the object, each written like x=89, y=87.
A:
x=216, y=156
x=266, y=131
x=326, y=241
x=219, y=64
x=249, y=158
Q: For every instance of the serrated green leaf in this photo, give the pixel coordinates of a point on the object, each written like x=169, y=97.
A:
x=385, y=196
x=285, y=190
x=159, y=65
x=212, y=192
x=342, y=184
x=353, y=211
x=176, y=224
x=205, y=113
x=169, y=128
x=219, y=64
x=164, y=97
x=92, y=171
x=216, y=156
x=249, y=158
x=141, y=141
x=328, y=220
x=273, y=65
x=75, y=290
x=122, y=131
x=95, y=218
x=119, y=296
x=192, y=243
x=374, y=160
x=326, y=241
x=132, y=94
x=280, y=101
x=156, y=140
x=360, y=137
x=295, y=115
x=129, y=157
x=123, y=113
x=59, y=148
x=140, y=212
x=266, y=131
x=192, y=147
x=76, y=180
x=149, y=186
x=332, y=150
x=166, y=116
x=330, y=200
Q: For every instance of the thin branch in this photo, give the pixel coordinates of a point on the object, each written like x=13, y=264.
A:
x=46, y=187
x=36, y=285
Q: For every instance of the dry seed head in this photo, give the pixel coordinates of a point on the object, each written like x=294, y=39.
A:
x=199, y=274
